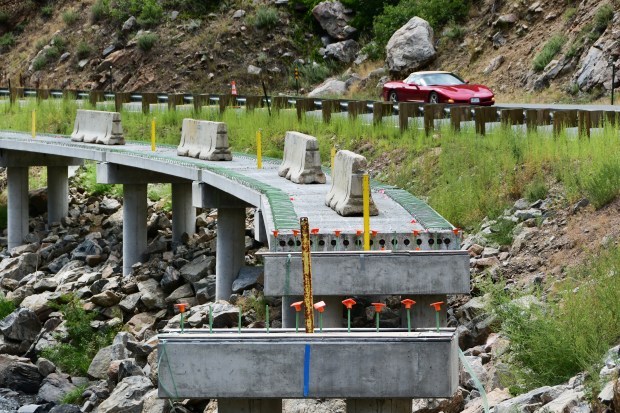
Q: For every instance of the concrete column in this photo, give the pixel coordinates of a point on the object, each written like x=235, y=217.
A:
x=378, y=405
x=332, y=317
x=249, y=405
x=230, y=253
x=288, y=313
x=134, y=225
x=422, y=314
x=57, y=193
x=17, y=214
x=183, y=212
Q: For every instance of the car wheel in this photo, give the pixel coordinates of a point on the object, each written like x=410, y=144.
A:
x=393, y=97
x=433, y=98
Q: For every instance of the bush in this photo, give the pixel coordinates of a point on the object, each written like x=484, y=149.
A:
x=147, y=41
x=83, y=342
x=47, y=11
x=502, y=232
x=83, y=50
x=59, y=43
x=455, y=32
x=603, y=16
x=151, y=15
x=603, y=185
x=4, y=17
x=6, y=306
x=52, y=53
x=548, y=52
x=70, y=17
x=266, y=17
x=536, y=190
x=7, y=40
x=74, y=396
x=99, y=11
x=570, y=333
x=39, y=63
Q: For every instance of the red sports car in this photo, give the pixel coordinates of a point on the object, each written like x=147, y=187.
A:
x=437, y=87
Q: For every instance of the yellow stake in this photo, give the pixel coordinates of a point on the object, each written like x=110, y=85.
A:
x=34, y=124
x=306, y=265
x=153, y=135
x=333, y=158
x=366, y=198
x=259, y=150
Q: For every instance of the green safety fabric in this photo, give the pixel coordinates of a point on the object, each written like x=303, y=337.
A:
x=163, y=354
x=287, y=280
x=479, y=386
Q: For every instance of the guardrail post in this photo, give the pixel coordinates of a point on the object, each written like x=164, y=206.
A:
x=611, y=118
x=480, y=121
x=584, y=123
x=174, y=100
x=405, y=111
x=147, y=100
x=120, y=98
x=42, y=94
x=225, y=101
x=381, y=109
x=199, y=100
x=355, y=108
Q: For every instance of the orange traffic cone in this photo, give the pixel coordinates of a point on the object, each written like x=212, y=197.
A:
x=234, y=88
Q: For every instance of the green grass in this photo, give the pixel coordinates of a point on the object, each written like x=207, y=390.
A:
x=70, y=17
x=161, y=193
x=462, y=176
x=87, y=179
x=265, y=18
x=7, y=40
x=548, y=52
x=83, y=50
x=603, y=183
x=74, y=396
x=6, y=306
x=536, y=189
x=47, y=11
x=502, y=232
x=75, y=355
x=570, y=332
x=147, y=41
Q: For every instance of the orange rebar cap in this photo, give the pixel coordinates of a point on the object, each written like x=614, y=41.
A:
x=295, y=232
x=408, y=302
x=359, y=232
x=378, y=306
x=349, y=303
x=314, y=231
x=337, y=232
x=320, y=306
x=437, y=305
x=297, y=305
x=416, y=232
x=275, y=232
x=181, y=307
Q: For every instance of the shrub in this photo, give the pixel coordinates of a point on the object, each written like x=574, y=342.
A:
x=83, y=50
x=99, y=11
x=570, y=13
x=147, y=41
x=74, y=396
x=4, y=17
x=52, y=53
x=151, y=15
x=40, y=44
x=39, y=63
x=70, y=17
x=602, y=18
x=536, y=190
x=603, y=185
x=47, y=11
x=83, y=342
x=6, y=306
x=455, y=32
x=59, y=43
x=548, y=52
x=266, y=17
x=502, y=232
x=7, y=40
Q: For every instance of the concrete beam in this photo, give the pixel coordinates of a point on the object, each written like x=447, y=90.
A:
x=17, y=208
x=111, y=173
x=249, y=405
x=230, y=249
x=19, y=159
x=183, y=212
x=370, y=273
x=208, y=196
x=329, y=365
x=134, y=225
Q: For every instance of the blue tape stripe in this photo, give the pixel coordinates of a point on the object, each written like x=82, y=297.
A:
x=307, y=371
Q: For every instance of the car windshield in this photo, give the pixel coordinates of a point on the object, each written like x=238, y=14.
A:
x=439, y=79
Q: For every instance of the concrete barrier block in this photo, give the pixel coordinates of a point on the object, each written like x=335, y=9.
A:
x=204, y=140
x=302, y=160
x=92, y=126
x=345, y=196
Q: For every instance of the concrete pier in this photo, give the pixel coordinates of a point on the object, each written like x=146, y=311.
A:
x=230, y=249
x=183, y=212
x=17, y=214
x=57, y=193
x=134, y=225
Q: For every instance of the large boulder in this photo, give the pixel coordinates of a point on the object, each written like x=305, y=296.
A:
x=127, y=397
x=595, y=69
x=21, y=325
x=344, y=51
x=153, y=296
x=198, y=268
x=99, y=366
x=411, y=47
x=19, y=374
x=331, y=87
x=18, y=267
x=54, y=387
x=333, y=18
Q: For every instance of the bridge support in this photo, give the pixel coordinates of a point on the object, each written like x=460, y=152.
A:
x=230, y=254
x=57, y=193
x=17, y=214
x=183, y=213
x=249, y=405
x=134, y=225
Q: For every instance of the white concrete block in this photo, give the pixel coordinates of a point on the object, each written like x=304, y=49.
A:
x=302, y=160
x=92, y=126
x=345, y=196
x=204, y=140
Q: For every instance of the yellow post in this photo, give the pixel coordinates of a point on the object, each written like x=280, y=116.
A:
x=153, y=135
x=34, y=124
x=306, y=264
x=366, y=198
x=259, y=150
x=333, y=158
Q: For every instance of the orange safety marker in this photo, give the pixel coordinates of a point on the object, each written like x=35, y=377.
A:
x=349, y=303
x=320, y=307
x=297, y=305
x=437, y=306
x=182, y=307
x=337, y=232
x=233, y=86
x=378, y=308
x=275, y=233
x=407, y=302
